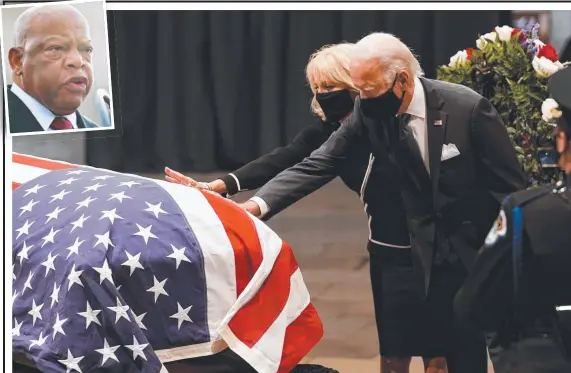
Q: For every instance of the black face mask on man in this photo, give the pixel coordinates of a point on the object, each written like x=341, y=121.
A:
x=383, y=106
x=336, y=105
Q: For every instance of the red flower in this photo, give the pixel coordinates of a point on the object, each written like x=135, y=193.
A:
x=469, y=52
x=548, y=52
x=515, y=31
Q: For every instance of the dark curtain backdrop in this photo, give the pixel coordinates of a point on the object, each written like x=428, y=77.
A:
x=213, y=90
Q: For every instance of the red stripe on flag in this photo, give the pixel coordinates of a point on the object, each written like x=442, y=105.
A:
x=40, y=163
x=243, y=236
x=301, y=336
x=15, y=185
x=256, y=316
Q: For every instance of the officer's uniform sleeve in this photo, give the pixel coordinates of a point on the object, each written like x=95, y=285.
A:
x=487, y=294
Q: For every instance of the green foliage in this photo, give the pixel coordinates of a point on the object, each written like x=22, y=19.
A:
x=502, y=71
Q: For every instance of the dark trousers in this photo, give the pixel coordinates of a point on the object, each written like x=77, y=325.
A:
x=465, y=349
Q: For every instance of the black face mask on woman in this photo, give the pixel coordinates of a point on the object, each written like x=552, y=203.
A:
x=383, y=106
x=336, y=105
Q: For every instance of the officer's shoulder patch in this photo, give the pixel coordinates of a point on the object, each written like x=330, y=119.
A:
x=499, y=229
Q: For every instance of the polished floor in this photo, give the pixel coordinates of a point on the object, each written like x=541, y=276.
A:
x=328, y=233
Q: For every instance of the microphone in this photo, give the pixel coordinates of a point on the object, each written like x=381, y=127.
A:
x=103, y=105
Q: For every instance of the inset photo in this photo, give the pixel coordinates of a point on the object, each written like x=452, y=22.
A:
x=56, y=68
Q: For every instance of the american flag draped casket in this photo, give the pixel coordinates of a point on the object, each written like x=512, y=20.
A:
x=120, y=273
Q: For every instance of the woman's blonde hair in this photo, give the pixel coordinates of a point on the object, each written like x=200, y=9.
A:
x=329, y=64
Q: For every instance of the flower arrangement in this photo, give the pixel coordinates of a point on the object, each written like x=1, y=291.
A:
x=510, y=67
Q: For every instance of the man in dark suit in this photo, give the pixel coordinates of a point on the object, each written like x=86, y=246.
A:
x=51, y=70
x=456, y=165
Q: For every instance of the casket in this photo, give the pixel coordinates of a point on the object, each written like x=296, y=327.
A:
x=119, y=273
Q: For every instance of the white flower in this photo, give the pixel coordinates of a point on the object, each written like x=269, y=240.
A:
x=504, y=32
x=538, y=43
x=490, y=36
x=550, y=110
x=459, y=59
x=545, y=67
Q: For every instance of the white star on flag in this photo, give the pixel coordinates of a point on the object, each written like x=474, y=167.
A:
x=58, y=327
x=23, y=254
x=67, y=181
x=155, y=209
x=139, y=320
x=24, y=229
x=50, y=237
x=49, y=263
x=38, y=342
x=54, y=214
x=137, y=349
x=129, y=183
x=104, y=240
x=145, y=233
x=119, y=196
x=59, y=196
x=79, y=222
x=16, y=329
x=103, y=177
x=73, y=277
x=28, y=283
x=14, y=296
x=120, y=311
x=111, y=215
x=158, y=288
x=35, y=311
x=93, y=188
x=33, y=189
x=28, y=207
x=55, y=295
x=72, y=363
x=108, y=352
x=76, y=172
x=181, y=315
x=90, y=316
x=84, y=203
x=104, y=273
x=178, y=255
x=132, y=262
x=74, y=249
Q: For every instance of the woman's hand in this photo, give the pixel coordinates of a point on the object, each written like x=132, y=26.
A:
x=178, y=178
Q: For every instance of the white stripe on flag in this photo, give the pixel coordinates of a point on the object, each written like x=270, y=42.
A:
x=266, y=355
x=22, y=173
x=218, y=255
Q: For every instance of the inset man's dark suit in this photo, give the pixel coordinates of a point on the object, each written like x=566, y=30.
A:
x=22, y=120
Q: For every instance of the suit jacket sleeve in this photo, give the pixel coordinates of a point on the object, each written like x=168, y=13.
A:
x=258, y=172
x=501, y=171
x=486, y=296
x=322, y=166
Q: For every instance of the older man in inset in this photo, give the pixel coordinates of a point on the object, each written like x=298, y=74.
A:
x=51, y=70
x=456, y=164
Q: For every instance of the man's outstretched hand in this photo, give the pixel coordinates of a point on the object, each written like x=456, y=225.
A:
x=252, y=207
x=173, y=176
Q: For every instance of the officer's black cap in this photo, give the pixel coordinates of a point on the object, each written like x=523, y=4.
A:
x=560, y=89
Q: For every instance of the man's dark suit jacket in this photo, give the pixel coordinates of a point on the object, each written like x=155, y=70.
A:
x=383, y=201
x=455, y=206
x=22, y=119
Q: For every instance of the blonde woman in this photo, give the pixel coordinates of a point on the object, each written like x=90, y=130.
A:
x=396, y=304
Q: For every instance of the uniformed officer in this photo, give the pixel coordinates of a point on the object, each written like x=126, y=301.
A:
x=520, y=287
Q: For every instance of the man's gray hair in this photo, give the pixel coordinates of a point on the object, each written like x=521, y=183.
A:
x=393, y=55
x=22, y=24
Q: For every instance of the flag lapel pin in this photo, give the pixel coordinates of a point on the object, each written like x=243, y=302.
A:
x=438, y=122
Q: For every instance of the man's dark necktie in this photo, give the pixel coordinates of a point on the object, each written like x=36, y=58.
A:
x=61, y=123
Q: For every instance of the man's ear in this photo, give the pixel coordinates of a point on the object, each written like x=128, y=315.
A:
x=15, y=58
